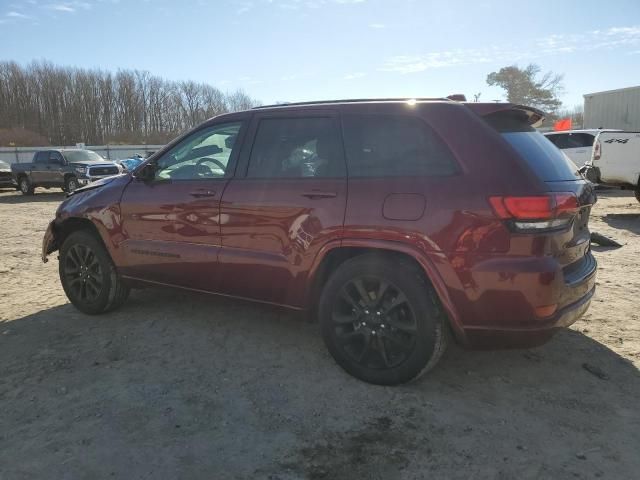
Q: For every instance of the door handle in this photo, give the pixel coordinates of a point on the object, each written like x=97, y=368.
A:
x=203, y=193
x=318, y=194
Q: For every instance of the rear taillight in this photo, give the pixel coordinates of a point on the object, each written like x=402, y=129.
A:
x=541, y=212
x=597, y=151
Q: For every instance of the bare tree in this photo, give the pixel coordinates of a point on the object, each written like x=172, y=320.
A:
x=69, y=105
x=525, y=86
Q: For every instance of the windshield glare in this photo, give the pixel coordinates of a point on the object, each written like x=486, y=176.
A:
x=82, y=156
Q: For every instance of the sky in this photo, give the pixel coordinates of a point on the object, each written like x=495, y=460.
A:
x=297, y=50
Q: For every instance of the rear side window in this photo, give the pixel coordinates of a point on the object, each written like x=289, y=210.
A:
x=546, y=160
x=296, y=147
x=42, y=157
x=382, y=146
x=549, y=163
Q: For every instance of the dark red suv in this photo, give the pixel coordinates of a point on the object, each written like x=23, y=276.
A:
x=395, y=223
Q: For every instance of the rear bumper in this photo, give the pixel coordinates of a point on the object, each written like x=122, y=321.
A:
x=532, y=336
x=507, y=312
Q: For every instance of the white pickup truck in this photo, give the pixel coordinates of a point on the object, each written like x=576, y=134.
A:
x=615, y=160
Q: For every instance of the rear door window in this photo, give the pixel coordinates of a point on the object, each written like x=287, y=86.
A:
x=42, y=157
x=394, y=145
x=296, y=147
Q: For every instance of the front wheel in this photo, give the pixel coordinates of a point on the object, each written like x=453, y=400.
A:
x=88, y=275
x=381, y=321
x=70, y=184
x=25, y=186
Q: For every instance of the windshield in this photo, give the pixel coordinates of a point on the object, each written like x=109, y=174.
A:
x=3, y=165
x=75, y=156
x=543, y=157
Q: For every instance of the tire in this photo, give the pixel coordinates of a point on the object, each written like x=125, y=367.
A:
x=404, y=341
x=25, y=186
x=70, y=184
x=88, y=276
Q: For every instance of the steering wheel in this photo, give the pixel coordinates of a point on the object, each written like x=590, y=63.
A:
x=218, y=163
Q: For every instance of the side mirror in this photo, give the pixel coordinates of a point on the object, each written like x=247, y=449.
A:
x=147, y=172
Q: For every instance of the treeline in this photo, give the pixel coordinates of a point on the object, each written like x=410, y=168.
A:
x=69, y=105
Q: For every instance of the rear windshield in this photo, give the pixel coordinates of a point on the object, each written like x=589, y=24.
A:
x=572, y=140
x=544, y=158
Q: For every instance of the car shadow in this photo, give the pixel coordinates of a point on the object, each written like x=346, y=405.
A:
x=626, y=221
x=180, y=385
x=39, y=196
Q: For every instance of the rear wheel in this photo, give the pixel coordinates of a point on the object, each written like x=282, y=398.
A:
x=381, y=321
x=88, y=275
x=25, y=186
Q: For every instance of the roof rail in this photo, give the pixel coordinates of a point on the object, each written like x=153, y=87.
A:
x=353, y=100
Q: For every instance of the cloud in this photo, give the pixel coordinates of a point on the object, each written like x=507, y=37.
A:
x=68, y=7
x=377, y=26
x=555, y=44
x=296, y=4
x=61, y=7
x=354, y=76
x=14, y=14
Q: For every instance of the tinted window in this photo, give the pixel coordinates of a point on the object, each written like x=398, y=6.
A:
x=380, y=146
x=55, y=157
x=42, y=157
x=296, y=147
x=557, y=140
x=546, y=160
x=204, y=154
x=572, y=140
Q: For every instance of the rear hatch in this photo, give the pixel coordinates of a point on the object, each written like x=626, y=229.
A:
x=570, y=196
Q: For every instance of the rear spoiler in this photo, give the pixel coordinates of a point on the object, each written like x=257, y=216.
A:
x=533, y=115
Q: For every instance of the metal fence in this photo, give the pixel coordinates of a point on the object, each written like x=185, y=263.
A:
x=110, y=152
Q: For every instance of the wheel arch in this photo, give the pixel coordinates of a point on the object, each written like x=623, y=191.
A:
x=68, y=225
x=333, y=255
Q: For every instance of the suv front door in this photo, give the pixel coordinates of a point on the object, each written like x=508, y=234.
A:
x=39, y=171
x=172, y=222
x=286, y=202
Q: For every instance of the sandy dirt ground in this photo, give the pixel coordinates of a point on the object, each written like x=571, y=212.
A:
x=189, y=386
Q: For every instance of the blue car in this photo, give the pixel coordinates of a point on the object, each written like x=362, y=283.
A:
x=130, y=164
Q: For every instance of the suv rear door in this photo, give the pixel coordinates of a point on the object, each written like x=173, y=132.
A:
x=570, y=246
x=286, y=202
